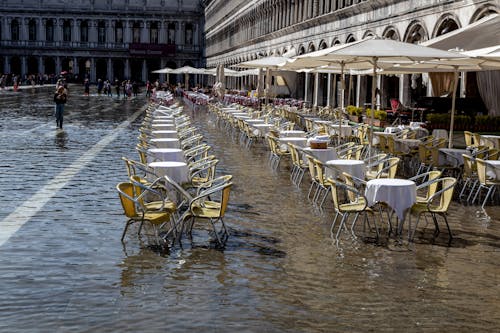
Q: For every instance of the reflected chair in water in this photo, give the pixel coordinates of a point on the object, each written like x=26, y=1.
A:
x=136, y=210
x=352, y=203
x=437, y=204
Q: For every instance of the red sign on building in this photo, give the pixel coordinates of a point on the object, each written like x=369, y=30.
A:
x=151, y=50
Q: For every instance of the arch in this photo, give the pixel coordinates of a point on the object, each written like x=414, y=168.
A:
x=82, y=70
x=151, y=65
x=101, y=69
x=50, y=65
x=84, y=31
x=14, y=30
x=335, y=41
x=350, y=38
x=322, y=45
x=32, y=63
x=311, y=48
x=49, y=30
x=302, y=50
x=368, y=33
x=32, y=30
x=101, y=32
x=483, y=11
x=415, y=33
x=118, y=69
x=391, y=32
x=15, y=65
x=66, y=31
x=445, y=24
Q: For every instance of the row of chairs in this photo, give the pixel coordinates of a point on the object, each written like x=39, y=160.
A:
x=163, y=202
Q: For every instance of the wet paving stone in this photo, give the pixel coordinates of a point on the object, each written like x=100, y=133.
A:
x=66, y=270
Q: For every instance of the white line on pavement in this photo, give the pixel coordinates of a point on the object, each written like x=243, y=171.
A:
x=23, y=213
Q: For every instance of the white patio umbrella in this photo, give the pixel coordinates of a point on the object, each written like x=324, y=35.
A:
x=166, y=70
x=186, y=70
x=382, y=53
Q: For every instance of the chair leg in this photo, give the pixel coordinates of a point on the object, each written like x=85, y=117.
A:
x=129, y=222
x=333, y=223
x=448, y=227
x=487, y=196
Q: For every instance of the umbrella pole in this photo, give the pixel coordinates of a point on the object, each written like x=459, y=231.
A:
x=453, y=99
x=342, y=91
x=374, y=100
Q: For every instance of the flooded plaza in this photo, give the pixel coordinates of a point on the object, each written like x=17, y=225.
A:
x=65, y=268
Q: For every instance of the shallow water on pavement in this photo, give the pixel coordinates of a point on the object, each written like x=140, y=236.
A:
x=66, y=268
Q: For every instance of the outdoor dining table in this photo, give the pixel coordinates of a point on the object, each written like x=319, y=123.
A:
x=262, y=129
x=164, y=134
x=163, y=126
x=352, y=167
x=440, y=134
x=452, y=156
x=166, y=142
x=293, y=133
x=323, y=155
x=398, y=194
x=164, y=117
x=167, y=154
x=178, y=171
x=493, y=169
x=254, y=121
x=406, y=145
x=298, y=141
x=162, y=121
x=345, y=130
x=491, y=140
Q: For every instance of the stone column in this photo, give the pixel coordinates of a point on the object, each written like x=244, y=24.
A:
x=40, y=32
x=75, y=30
x=24, y=67
x=144, y=32
x=127, y=32
x=6, y=64
x=404, y=89
x=127, y=69
x=144, y=70
x=58, y=65
x=179, y=33
x=23, y=28
x=109, y=73
x=41, y=67
x=93, y=33
x=316, y=89
x=329, y=90
x=58, y=30
x=306, y=88
x=93, y=74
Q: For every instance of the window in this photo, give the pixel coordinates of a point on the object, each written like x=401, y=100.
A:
x=14, y=30
x=153, y=33
x=49, y=31
x=171, y=33
x=136, y=32
x=84, y=31
x=67, y=31
x=32, y=30
x=119, y=32
x=188, y=40
x=101, y=32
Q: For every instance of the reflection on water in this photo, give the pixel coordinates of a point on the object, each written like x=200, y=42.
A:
x=66, y=269
x=61, y=139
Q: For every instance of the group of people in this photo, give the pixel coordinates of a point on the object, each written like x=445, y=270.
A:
x=126, y=87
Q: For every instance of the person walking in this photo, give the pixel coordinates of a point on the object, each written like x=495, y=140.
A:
x=60, y=98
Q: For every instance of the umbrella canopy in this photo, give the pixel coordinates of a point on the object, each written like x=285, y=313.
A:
x=267, y=62
x=165, y=70
x=187, y=70
x=378, y=53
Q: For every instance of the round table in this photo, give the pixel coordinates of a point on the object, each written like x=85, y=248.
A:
x=493, y=169
x=166, y=142
x=352, y=167
x=178, y=171
x=298, y=141
x=167, y=154
x=165, y=134
x=262, y=129
x=345, y=130
x=162, y=126
x=323, y=155
x=294, y=133
x=399, y=194
x=162, y=121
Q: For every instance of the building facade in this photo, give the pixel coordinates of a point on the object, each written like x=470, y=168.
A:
x=108, y=39
x=240, y=30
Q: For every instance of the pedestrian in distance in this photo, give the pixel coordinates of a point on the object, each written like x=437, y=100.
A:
x=87, y=87
x=60, y=98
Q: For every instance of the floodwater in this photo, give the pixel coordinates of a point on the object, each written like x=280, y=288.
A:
x=65, y=269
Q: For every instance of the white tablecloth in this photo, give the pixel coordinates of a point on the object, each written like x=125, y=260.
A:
x=167, y=154
x=262, y=129
x=405, y=145
x=296, y=134
x=301, y=142
x=178, y=171
x=345, y=130
x=399, y=194
x=322, y=154
x=452, y=156
x=165, y=134
x=166, y=143
x=440, y=133
x=163, y=121
x=493, y=169
x=491, y=141
x=162, y=126
x=352, y=167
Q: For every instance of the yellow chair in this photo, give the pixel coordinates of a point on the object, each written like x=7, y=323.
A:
x=468, y=136
x=136, y=211
x=389, y=169
x=437, y=204
x=354, y=203
x=323, y=186
x=484, y=181
x=210, y=204
x=428, y=183
x=276, y=152
x=469, y=175
x=298, y=164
